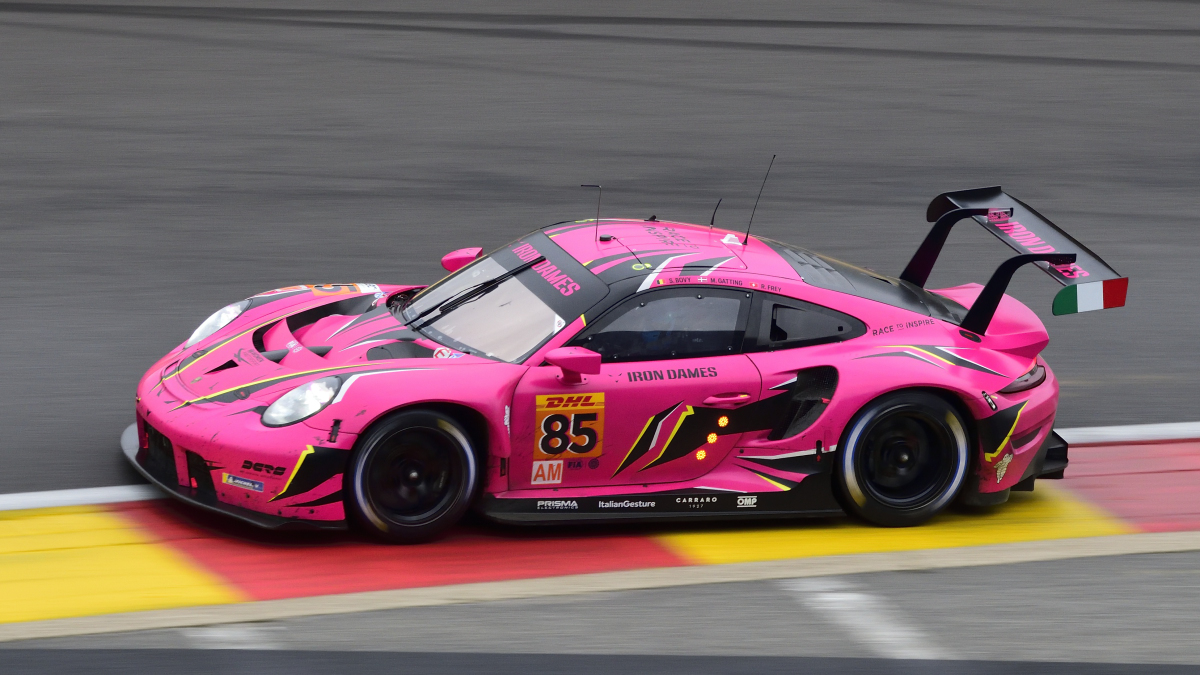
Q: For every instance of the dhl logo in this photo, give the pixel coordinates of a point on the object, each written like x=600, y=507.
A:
x=570, y=402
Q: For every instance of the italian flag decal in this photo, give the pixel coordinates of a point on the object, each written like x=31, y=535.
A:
x=1091, y=296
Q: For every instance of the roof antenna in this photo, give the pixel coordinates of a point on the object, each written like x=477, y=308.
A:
x=713, y=220
x=756, y=201
x=596, y=232
x=631, y=251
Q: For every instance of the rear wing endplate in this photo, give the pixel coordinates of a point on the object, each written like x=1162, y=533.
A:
x=1088, y=282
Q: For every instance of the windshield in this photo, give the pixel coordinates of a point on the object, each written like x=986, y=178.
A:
x=511, y=319
x=505, y=323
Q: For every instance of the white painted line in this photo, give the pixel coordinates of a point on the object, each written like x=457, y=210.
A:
x=232, y=636
x=1133, y=433
x=84, y=497
x=867, y=619
x=631, y=580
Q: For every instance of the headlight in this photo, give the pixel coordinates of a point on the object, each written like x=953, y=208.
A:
x=1027, y=381
x=217, y=321
x=302, y=402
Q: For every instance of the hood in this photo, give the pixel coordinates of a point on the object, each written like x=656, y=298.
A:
x=299, y=332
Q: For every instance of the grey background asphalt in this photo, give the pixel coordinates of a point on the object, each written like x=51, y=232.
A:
x=158, y=162
x=185, y=662
x=1117, y=610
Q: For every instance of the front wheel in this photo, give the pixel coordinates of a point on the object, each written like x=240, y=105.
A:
x=904, y=458
x=412, y=476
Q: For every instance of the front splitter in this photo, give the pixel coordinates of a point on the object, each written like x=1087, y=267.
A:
x=130, y=448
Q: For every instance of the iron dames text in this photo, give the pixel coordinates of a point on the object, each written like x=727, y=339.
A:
x=680, y=374
x=1000, y=218
x=550, y=272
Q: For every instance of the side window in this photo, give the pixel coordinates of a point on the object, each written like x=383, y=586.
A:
x=670, y=324
x=785, y=323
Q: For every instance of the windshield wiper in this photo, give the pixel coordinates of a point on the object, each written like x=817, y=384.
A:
x=469, y=294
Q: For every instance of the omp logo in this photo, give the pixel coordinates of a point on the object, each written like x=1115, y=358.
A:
x=244, y=483
x=557, y=504
x=549, y=472
x=625, y=504
x=747, y=501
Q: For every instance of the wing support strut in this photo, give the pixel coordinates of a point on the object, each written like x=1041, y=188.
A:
x=918, y=269
x=979, y=317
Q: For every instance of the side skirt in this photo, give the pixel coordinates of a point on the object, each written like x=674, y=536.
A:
x=812, y=497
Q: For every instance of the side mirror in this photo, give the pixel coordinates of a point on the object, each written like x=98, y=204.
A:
x=575, y=363
x=456, y=260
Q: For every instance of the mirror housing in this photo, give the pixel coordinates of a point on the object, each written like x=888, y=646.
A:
x=575, y=362
x=456, y=260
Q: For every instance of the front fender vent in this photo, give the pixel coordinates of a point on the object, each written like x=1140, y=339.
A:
x=810, y=395
x=224, y=366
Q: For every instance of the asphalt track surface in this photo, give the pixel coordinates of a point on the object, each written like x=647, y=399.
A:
x=180, y=662
x=1045, y=617
x=160, y=160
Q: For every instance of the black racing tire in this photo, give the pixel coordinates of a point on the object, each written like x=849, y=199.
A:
x=412, y=476
x=904, y=457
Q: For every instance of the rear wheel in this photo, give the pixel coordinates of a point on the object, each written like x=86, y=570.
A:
x=412, y=476
x=904, y=458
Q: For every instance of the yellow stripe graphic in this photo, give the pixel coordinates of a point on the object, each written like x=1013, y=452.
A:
x=635, y=444
x=992, y=455
x=295, y=471
x=778, y=485
x=269, y=379
x=923, y=351
x=214, y=348
x=678, y=423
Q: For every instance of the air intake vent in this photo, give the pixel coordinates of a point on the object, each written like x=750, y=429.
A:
x=275, y=355
x=224, y=366
x=810, y=395
x=159, y=458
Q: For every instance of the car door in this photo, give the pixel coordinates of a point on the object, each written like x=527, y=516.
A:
x=792, y=344
x=672, y=371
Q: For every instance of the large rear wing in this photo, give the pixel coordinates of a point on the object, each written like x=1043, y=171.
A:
x=1088, y=282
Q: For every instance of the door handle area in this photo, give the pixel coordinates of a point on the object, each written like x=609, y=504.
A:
x=731, y=400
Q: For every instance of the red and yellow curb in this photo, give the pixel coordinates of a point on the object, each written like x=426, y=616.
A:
x=86, y=560
x=94, y=560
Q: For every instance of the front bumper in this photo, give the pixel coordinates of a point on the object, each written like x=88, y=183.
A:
x=153, y=467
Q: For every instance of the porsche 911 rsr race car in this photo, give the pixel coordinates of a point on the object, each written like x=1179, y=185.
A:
x=606, y=370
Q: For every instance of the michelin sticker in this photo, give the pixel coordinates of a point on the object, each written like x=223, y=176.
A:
x=244, y=483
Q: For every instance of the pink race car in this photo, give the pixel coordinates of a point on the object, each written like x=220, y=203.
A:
x=624, y=369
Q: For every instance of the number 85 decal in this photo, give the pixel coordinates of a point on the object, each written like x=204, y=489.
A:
x=569, y=426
